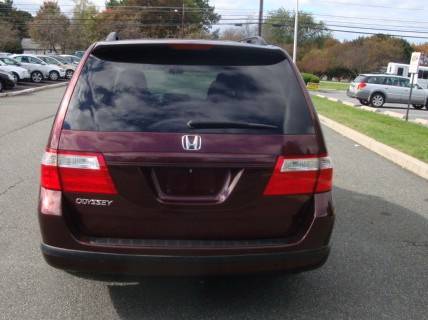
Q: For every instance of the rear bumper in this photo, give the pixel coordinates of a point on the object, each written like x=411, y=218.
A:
x=65, y=250
x=9, y=84
x=361, y=94
x=175, y=265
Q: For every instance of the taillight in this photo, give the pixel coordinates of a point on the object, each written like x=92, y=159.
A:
x=361, y=85
x=300, y=175
x=78, y=172
x=191, y=46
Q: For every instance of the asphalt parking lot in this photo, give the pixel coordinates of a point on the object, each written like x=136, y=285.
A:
x=378, y=268
x=22, y=85
x=399, y=108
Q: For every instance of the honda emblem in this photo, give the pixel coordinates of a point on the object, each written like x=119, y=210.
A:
x=191, y=143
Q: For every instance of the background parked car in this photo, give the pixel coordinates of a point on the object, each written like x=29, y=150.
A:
x=6, y=80
x=49, y=71
x=79, y=54
x=18, y=73
x=36, y=71
x=69, y=68
x=378, y=89
x=10, y=61
x=70, y=58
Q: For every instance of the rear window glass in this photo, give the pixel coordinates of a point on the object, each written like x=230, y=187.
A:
x=360, y=79
x=150, y=97
x=376, y=80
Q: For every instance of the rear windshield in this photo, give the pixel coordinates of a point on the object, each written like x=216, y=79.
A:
x=151, y=97
x=360, y=79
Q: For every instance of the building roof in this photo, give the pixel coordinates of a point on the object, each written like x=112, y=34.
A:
x=29, y=44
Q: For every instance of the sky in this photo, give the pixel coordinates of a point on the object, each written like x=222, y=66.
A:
x=398, y=17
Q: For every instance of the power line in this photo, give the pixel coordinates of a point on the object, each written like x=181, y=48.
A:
x=331, y=24
x=343, y=26
x=244, y=19
x=365, y=18
x=365, y=5
x=130, y=23
x=192, y=9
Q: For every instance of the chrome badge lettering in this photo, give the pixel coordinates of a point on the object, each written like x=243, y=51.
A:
x=94, y=202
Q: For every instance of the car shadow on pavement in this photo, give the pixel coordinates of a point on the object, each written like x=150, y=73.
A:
x=379, y=252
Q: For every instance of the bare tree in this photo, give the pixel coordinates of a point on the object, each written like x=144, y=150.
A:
x=50, y=26
x=9, y=39
x=83, y=24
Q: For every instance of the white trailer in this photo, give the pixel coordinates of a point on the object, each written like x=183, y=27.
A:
x=402, y=69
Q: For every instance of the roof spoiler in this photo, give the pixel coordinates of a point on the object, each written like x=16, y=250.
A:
x=112, y=36
x=257, y=40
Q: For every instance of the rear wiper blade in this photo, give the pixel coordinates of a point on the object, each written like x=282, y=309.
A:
x=228, y=125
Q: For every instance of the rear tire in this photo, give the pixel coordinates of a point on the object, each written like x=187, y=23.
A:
x=1, y=86
x=36, y=76
x=69, y=74
x=364, y=102
x=418, y=106
x=15, y=76
x=377, y=100
x=53, y=75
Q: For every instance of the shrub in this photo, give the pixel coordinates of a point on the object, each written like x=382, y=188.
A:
x=309, y=77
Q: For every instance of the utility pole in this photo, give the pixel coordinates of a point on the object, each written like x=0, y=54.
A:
x=260, y=17
x=296, y=29
x=182, y=20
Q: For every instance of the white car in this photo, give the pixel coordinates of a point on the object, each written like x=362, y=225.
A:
x=69, y=68
x=70, y=58
x=39, y=69
x=18, y=73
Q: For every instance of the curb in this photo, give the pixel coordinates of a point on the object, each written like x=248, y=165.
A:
x=405, y=161
x=350, y=104
x=420, y=121
x=370, y=109
x=31, y=90
x=394, y=114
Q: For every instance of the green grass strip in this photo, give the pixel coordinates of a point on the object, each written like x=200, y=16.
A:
x=405, y=136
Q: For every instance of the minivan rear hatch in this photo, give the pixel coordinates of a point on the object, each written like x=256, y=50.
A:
x=190, y=133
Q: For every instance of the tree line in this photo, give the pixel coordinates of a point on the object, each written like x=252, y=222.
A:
x=319, y=52
x=130, y=18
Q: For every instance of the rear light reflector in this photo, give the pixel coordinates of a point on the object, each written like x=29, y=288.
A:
x=50, y=202
x=303, y=175
x=78, y=172
x=361, y=85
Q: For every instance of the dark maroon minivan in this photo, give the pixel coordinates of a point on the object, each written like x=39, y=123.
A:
x=183, y=157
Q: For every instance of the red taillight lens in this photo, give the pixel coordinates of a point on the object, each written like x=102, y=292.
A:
x=300, y=176
x=361, y=85
x=76, y=172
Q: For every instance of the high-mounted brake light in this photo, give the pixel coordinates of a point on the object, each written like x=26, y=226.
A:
x=361, y=85
x=191, y=46
x=300, y=175
x=78, y=172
